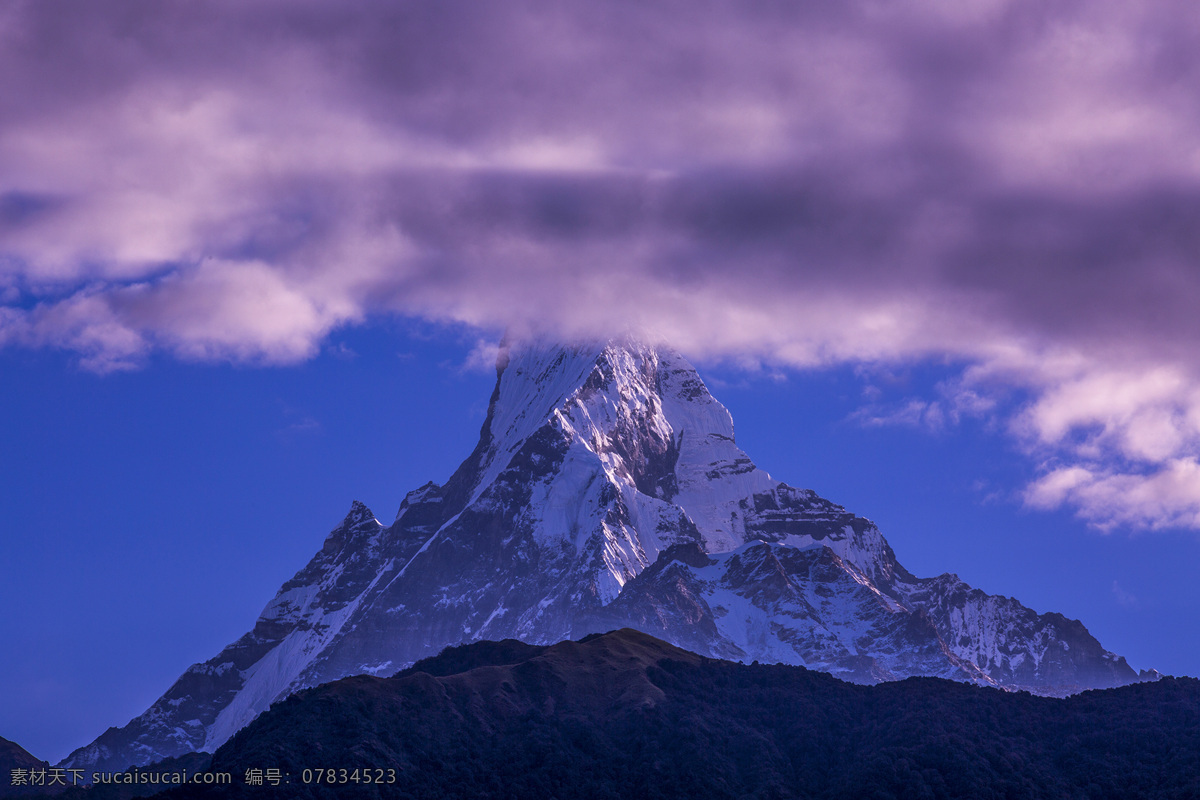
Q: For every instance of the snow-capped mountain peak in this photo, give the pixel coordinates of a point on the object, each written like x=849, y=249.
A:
x=607, y=490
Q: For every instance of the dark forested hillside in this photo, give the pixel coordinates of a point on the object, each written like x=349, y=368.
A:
x=624, y=715
x=16, y=763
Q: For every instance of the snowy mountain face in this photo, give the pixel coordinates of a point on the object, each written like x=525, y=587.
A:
x=607, y=491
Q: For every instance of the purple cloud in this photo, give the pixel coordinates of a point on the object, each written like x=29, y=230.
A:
x=1012, y=186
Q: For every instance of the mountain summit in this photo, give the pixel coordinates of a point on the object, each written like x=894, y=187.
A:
x=607, y=491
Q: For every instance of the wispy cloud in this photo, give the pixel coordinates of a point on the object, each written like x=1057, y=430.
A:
x=1125, y=598
x=482, y=357
x=299, y=424
x=954, y=401
x=1010, y=187
x=914, y=413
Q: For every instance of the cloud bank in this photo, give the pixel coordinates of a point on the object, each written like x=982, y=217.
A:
x=1006, y=185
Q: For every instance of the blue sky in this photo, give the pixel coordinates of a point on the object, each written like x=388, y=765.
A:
x=252, y=256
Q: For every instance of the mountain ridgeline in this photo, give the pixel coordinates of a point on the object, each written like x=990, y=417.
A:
x=607, y=491
x=623, y=714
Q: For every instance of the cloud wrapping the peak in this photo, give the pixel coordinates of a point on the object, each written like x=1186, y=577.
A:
x=1005, y=185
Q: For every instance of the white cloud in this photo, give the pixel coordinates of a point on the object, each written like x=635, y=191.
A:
x=482, y=357
x=794, y=186
x=1168, y=497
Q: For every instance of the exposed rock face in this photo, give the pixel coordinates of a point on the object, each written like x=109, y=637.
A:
x=606, y=491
